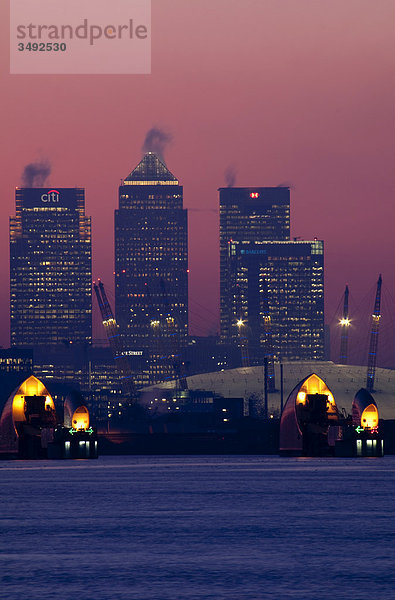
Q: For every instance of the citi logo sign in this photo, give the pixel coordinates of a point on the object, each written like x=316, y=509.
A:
x=51, y=196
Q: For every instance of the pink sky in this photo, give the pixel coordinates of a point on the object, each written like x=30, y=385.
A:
x=298, y=91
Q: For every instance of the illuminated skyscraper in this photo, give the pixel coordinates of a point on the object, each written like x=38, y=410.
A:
x=277, y=297
x=253, y=214
x=151, y=263
x=50, y=268
x=272, y=289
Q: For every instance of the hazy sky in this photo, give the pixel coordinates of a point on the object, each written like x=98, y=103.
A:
x=297, y=91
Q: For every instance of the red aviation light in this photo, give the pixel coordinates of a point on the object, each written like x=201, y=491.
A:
x=254, y=195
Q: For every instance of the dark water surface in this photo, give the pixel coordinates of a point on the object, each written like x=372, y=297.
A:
x=198, y=527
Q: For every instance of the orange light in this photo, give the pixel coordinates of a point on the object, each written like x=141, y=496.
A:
x=80, y=418
x=370, y=417
x=302, y=397
x=315, y=385
x=30, y=387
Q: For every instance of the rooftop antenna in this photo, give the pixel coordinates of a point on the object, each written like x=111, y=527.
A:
x=374, y=339
x=345, y=324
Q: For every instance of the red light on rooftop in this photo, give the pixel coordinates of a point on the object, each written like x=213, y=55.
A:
x=254, y=195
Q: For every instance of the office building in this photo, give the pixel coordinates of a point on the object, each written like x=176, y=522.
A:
x=151, y=263
x=50, y=268
x=276, y=299
x=252, y=214
x=15, y=360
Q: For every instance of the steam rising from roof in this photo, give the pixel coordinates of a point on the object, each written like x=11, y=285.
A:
x=230, y=176
x=35, y=174
x=156, y=140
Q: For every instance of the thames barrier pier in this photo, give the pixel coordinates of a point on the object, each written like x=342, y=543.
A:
x=312, y=425
x=35, y=425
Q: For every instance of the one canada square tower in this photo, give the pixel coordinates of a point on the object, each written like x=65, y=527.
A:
x=151, y=266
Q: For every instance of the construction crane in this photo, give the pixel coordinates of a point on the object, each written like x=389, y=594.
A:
x=345, y=324
x=112, y=330
x=374, y=339
x=267, y=328
x=166, y=330
x=174, y=327
x=242, y=326
x=243, y=342
x=271, y=377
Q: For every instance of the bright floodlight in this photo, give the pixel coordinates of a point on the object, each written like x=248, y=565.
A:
x=240, y=322
x=345, y=322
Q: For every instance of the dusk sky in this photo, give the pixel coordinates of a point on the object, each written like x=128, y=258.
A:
x=286, y=91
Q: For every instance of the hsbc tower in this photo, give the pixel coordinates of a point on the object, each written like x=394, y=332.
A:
x=50, y=268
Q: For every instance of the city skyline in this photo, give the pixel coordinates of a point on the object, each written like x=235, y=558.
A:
x=197, y=349
x=318, y=117
x=97, y=325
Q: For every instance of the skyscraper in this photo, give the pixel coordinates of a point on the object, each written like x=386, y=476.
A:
x=151, y=263
x=252, y=214
x=50, y=268
x=277, y=299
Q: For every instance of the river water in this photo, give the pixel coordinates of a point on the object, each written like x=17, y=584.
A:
x=169, y=528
